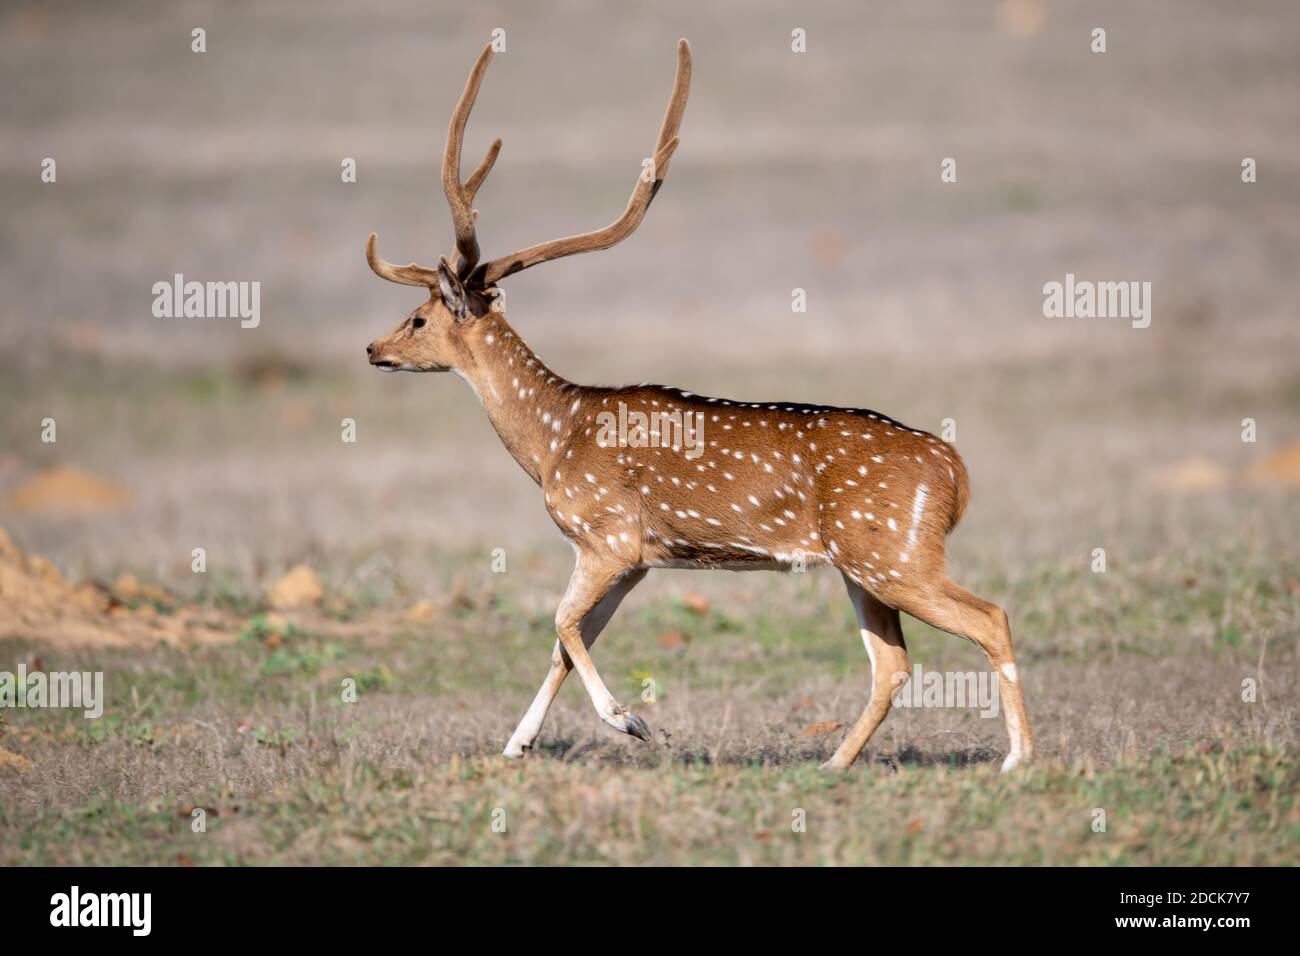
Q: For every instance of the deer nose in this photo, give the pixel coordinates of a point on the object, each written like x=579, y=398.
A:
x=370, y=349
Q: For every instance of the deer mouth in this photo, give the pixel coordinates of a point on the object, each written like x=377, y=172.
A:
x=388, y=365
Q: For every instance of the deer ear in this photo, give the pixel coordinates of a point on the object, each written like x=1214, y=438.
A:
x=453, y=293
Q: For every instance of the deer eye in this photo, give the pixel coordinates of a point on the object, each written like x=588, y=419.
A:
x=417, y=323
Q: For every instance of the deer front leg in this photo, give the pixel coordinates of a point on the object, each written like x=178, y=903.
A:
x=590, y=627
x=593, y=578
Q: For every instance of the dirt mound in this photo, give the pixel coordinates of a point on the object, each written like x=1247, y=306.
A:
x=38, y=603
x=14, y=761
x=66, y=489
x=128, y=588
x=1192, y=474
x=1280, y=468
x=300, y=587
x=421, y=611
x=30, y=583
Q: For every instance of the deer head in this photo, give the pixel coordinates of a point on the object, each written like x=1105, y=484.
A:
x=432, y=337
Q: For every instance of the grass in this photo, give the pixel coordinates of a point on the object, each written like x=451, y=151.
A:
x=1172, y=809
x=363, y=738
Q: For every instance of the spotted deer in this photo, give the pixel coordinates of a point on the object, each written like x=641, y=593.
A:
x=695, y=482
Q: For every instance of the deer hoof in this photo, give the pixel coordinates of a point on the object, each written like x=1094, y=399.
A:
x=515, y=750
x=637, y=727
x=627, y=722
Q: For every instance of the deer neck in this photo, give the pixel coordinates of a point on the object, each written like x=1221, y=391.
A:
x=523, y=398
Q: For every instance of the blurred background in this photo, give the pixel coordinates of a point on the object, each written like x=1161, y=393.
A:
x=817, y=171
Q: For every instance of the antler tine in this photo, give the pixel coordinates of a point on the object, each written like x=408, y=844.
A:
x=471, y=188
x=676, y=102
x=460, y=196
x=476, y=180
x=642, y=194
x=405, y=275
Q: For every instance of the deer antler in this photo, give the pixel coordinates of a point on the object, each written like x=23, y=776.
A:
x=642, y=194
x=460, y=196
x=406, y=275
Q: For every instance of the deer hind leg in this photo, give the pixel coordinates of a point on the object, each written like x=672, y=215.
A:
x=590, y=627
x=883, y=636
x=593, y=578
x=951, y=608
